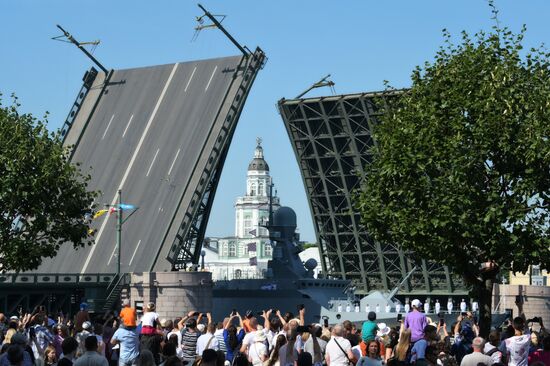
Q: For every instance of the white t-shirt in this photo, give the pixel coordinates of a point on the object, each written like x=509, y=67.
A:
x=148, y=318
x=249, y=339
x=517, y=348
x=336, y=355
x=203, y=340
x=176, y=332
x=255, y=353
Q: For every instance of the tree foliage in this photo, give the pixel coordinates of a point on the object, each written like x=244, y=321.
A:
x=44, y=200
x=461, y=170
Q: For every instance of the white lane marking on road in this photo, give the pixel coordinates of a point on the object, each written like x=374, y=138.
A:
x=112, y=255
x=211, y=76
x=191, y=77
x=151, y=118
x=152, y=162
x=135, y=251
x=128, y=125
x=173, y=162
x=109, y=124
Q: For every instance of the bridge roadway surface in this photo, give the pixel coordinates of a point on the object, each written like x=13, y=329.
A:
x=145, y=137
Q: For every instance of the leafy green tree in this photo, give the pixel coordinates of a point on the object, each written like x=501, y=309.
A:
x=461, y=168
x=43, y=197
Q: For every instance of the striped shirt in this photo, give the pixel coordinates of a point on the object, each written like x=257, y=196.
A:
x=189, y=343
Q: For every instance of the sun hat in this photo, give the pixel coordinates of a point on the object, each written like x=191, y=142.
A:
x=200, y=327
x=383, y=329
x=260, y=337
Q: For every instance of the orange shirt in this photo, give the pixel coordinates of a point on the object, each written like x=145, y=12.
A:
x=128, y=316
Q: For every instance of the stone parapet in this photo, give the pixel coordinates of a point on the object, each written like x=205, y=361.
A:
x=174, y=293
x=536, y=300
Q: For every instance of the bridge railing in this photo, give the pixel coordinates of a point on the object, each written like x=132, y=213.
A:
x=18, y=279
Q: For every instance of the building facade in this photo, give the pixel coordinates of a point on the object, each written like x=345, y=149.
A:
x=245, y=254
x=535, y=277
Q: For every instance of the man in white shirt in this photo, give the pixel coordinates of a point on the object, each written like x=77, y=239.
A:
x=338, y=351
x=517, y=347
x=208, y=340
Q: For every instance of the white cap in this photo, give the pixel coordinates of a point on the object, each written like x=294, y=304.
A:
x=200, y=327
x=416, y=303
x=86, y=325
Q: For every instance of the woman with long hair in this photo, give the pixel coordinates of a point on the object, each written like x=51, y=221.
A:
x=288, y=353
x=402, y=351
x=274, y=357
x=232, y=337
x=373, y=355
x=50, y=356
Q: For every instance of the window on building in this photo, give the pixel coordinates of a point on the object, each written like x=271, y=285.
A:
x=267, y=250
x=232, y=249
x=253, y=189
x=238, y=273
x=261, y=189
x=535, y=270
x=224, y=249
x=247, y=224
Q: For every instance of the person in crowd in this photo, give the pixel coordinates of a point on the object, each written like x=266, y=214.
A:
x=174, y=340
x=257, y=352
x=383, y=339
x=219, y=335
x=61, y=332
x=350, y=333
x=535, y=344
x=208, y=340
x=20, y=349
x=418, y=351
x=491, y=347
x=517, y=346
x=81, y=317
x=390, y=343
x=128, y=342
x=338, y=351
x=444, y=357
x=373, y=355
x=81, y=337
x=168, y=352
x=402, y=351
x=416, y=321
x=369, y=328
x=43, y=335
x=477, y=356
x=145, y=358
x=280, y=341
x=541, y=355
x=91, y=357
x=151, y=332
x=50, y=356
x=69, y=347
x=304, y=359
x=128, y=315
x=288, y=353
x=209, y=357
x=189, y=337
x=315, y=346
x=233, y=339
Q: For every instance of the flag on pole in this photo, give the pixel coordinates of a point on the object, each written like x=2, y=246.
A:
x=100, y=213
x=251, y=247
x=254, y=261
x=125, y=206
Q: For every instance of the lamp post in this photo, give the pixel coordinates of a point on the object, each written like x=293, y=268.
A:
x=119, y=232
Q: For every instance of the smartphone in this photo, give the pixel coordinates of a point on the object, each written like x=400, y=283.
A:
x=399, y=317
x=302, y=329
x=441, y=322
x=196, y=313
x=325, y=321
x=301, y=307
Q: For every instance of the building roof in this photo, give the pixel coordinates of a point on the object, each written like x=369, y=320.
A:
x=258, y=163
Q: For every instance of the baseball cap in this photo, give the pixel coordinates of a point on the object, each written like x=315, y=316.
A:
x=416, y=303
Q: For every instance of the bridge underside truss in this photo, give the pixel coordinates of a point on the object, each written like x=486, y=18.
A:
x=331, y=138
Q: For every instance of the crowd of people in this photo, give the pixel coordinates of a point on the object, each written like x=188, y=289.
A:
x=267, y=338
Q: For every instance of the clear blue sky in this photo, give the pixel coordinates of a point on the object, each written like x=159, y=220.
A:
x=361, y=43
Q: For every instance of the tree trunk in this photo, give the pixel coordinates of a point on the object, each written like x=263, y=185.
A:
x=484, y=290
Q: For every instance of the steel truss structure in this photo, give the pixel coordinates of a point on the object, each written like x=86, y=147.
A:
x=331, y=138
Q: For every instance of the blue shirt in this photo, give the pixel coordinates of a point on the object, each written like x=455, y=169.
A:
x=418, y=352
x=231, y=352
x=129, y=343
